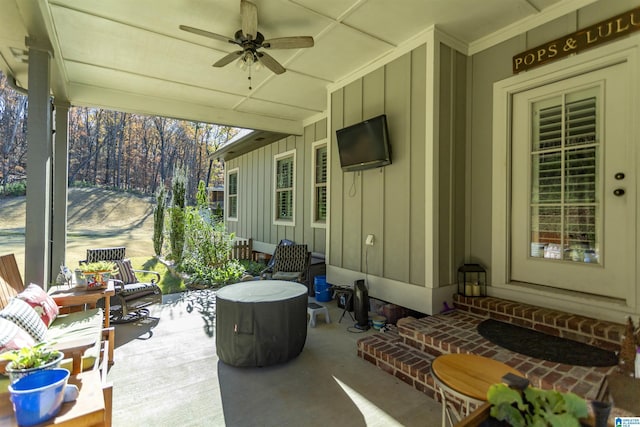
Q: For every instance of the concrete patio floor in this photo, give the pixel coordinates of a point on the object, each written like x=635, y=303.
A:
x=173, y=377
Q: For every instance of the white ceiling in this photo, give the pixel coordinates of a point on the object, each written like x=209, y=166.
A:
x=130, y=55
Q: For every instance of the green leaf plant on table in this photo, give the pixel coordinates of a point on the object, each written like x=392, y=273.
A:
x=535, y=407
x=97, y=273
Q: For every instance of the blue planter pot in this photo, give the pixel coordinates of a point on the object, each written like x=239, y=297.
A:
x=38, y=397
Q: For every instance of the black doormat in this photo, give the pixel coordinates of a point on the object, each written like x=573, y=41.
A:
x=546, y=347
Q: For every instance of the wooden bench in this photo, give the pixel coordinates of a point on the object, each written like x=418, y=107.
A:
x=11, y=284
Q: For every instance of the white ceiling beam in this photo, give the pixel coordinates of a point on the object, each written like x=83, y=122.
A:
x=94, y=96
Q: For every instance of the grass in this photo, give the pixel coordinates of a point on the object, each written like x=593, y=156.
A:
x=97, y=218
x=169, y=283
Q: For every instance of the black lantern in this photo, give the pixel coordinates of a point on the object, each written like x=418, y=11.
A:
x=472, y=280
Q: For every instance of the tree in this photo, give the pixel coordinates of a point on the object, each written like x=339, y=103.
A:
x=177, y=212
x=158, y=220
x=13, y=136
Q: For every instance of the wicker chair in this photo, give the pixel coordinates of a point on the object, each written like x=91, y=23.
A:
x=291, y=263
x=132, y=296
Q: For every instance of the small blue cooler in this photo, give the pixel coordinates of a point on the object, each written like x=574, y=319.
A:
x=322, y=288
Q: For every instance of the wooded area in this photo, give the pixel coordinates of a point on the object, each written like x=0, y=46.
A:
x=115, y=149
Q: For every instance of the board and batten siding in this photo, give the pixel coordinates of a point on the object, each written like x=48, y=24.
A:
x=256, y=192
x=379, y=201
x=492, y=65
x=391, y=202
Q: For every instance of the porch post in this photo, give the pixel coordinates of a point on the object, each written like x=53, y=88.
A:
x=60, y=177
x=39, y=150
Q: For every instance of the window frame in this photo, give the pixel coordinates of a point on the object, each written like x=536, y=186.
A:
x=276, y=220
x=227, y=195
x=315, y=222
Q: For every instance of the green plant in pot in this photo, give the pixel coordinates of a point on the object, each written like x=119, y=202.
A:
x=28, y=360
x=98, y=273
x=536, y=407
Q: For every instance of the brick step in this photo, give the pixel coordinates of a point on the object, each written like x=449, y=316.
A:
x=388, y=352
x=456, y=332
x=599, y=333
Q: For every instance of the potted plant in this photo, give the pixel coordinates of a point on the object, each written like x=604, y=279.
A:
x=535, y=407
x=28, y=360
x=97, y=273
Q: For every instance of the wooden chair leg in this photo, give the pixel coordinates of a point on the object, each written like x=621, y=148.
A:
x=108, y=334
x=107, y=393
x=107, y=388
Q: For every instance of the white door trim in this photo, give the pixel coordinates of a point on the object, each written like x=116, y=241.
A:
x=626, y=50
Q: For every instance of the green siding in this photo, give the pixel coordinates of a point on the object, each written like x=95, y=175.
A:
x=256, y=206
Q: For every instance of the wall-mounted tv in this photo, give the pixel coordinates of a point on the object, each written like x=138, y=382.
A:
x=364, y=145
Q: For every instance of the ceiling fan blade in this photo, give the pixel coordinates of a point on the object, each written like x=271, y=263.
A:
x=288, y=42
x=249, y=19
x=228, y=58
x=271, y=63
x=204, y=33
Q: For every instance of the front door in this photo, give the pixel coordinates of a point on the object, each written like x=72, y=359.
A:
x=573, y=192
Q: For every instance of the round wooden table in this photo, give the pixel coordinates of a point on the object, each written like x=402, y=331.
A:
x=466, y=377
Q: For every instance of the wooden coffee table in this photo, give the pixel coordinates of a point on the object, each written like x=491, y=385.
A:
x=77, y=297
x=467, y=377
x=87, y=410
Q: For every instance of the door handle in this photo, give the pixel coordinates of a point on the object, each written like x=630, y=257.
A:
x=618, y=192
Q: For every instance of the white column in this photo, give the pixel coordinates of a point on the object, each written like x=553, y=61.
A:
x=39, y=151
x=60, y=177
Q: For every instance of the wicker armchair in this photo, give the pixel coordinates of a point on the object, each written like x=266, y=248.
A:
x=291, y=263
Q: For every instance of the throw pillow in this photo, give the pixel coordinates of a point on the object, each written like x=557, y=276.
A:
x=125, y=271
x=21, y=313
x=41, y=302
x=12, y=337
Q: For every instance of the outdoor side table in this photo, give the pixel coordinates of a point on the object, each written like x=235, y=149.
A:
x=76, y=297
x=260, y=323
x=467, y=377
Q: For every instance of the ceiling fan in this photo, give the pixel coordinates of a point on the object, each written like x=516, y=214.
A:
x=250, y=40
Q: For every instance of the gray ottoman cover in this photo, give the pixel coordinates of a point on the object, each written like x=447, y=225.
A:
x=260, y=323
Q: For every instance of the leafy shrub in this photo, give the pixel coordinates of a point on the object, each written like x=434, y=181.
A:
x=18, y=188
x=252, y=267
x=206, y=251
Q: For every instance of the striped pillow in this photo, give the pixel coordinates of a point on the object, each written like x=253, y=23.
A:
x=13, y=337
x=23, y=315
x=125, y=271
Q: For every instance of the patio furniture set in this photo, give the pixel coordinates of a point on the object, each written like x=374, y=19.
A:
x=76, y=322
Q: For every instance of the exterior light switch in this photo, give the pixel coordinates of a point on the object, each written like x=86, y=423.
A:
x=369, y=241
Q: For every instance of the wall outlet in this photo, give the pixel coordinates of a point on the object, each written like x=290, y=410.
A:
x=369, y=241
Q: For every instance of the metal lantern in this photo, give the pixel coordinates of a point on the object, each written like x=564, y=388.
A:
x=472, y=280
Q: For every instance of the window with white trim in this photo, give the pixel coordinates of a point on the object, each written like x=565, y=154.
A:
x=232, y=194
x=565, y=188
x=284, y=188
x=319, y=183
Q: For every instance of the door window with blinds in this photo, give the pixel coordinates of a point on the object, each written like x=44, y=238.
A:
x=566, y=192
x=319, y=183
x=232, y=194
x=284, y=179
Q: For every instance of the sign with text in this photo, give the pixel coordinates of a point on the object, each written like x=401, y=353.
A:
x=586, y=38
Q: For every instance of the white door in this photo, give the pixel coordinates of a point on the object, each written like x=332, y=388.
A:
x=573, y=192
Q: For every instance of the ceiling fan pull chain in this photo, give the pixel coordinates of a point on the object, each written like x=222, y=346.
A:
x=249, y=77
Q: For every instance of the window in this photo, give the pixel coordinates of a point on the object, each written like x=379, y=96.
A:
x=565, y=179
x=284, y=179
x=319, y=183
x=232, y=194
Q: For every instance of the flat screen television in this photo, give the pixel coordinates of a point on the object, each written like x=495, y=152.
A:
x=364, y=145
